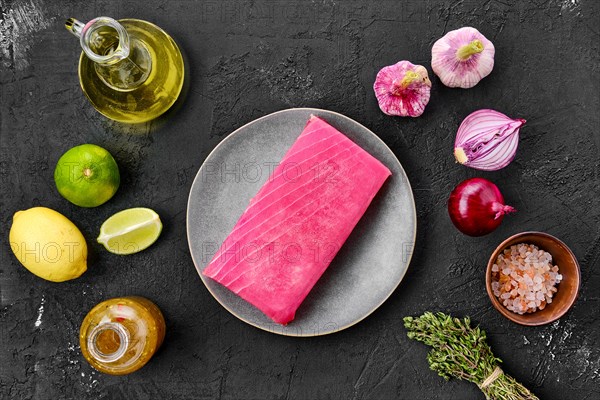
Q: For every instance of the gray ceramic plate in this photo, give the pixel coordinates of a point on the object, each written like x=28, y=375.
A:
x=369, y=266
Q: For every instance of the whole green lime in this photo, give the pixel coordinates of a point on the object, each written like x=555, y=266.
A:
x=87, y=175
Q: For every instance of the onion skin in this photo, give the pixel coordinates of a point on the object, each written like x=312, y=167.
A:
x=476, y=207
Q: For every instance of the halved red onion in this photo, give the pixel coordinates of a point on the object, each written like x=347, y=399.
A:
x=487, y=140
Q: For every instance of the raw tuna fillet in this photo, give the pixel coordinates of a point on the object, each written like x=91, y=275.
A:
x=297, y=222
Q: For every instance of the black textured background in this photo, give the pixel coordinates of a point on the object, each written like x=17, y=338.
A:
x=250, y=58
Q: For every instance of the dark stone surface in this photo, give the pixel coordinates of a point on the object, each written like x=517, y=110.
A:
x=247, y=59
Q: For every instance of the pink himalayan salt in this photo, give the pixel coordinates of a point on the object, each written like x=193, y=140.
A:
x=523, y=278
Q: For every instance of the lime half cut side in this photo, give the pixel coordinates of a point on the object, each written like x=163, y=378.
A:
x=130, y=231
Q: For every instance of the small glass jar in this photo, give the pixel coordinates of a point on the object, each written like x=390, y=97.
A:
x=120, y=335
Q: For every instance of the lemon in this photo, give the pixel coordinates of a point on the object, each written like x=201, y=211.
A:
x=130, y=231
x=87, y=175
x=48, y=244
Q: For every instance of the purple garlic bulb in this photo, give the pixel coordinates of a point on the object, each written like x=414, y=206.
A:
x=462, y=58
x=402, y=89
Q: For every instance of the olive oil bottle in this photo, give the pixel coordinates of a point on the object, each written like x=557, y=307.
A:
x=130, y=70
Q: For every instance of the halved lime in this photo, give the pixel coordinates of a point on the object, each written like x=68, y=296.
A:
x=130, y=231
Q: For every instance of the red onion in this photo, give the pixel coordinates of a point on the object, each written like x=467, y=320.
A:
x=476, y=207
x=487, y=140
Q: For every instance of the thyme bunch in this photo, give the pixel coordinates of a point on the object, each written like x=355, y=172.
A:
x=460, y=351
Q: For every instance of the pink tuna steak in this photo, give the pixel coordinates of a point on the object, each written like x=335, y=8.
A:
x=297, y=222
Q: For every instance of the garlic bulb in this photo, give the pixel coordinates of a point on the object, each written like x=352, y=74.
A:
x=462, y=58
x=402, y=89
x=487, y=140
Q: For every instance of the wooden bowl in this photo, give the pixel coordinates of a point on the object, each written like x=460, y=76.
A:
x=568, y=288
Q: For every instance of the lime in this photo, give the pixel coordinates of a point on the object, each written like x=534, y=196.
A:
x=48, y=244
x=87, y=175
x=130, y=231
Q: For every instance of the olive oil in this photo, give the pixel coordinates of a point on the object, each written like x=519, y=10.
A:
x=130, y=70
x=120, y=335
